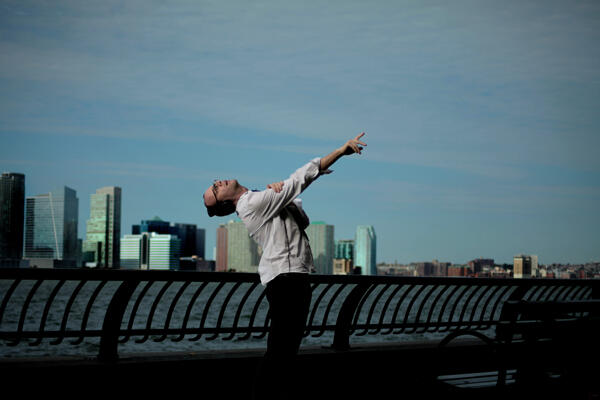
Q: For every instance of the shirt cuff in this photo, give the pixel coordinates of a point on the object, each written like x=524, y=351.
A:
x=317, y=161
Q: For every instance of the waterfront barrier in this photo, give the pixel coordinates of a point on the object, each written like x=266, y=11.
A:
x=118, y=306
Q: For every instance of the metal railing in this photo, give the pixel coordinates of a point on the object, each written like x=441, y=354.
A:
x=117, y=306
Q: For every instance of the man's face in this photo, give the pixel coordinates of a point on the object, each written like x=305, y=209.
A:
x=220, y=191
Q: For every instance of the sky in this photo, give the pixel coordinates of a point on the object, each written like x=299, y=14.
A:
x=481, y=117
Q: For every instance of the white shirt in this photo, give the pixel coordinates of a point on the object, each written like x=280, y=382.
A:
x=285, y=246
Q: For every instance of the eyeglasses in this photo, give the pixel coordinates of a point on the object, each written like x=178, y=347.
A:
x=214, y=189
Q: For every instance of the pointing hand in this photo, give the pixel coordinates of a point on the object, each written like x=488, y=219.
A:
x=353, y=145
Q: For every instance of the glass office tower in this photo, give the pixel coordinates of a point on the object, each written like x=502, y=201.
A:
x=101, y=247
x=12, y=206
x=320, y=237
x=365, y=249
x=344, y=249
x=243, y=253
x=150, y=250
x=51, y=228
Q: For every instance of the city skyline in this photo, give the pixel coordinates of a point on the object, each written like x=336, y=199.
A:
x=213, y=250
x=480, y=118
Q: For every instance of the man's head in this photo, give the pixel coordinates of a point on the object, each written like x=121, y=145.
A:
x=221, y=197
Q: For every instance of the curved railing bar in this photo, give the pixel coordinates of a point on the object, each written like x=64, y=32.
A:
x=483, y=289
x=500, y=299
x=88, y=309
x=222, y=312
x=431, y=329
x=587, y=294
x=316, y=305
x=157, y=300
x=484, y=309
x=206, y=308
x=552, y=293
x=575, y=294
x=541, y=293
x=361, y=303
x=385, y=308
x=442, y=311
x=63, y=324
x=239, y=310
x=372, y=309
x=30, y=295
x=408, y=309
x=188, y=311
x=134, y=310
x=7, y=297
x=533, y=292
x=451, y=315
x=465, y=305
x=529, y=291
x=49, y=302
x=564, y=293
x=548, y=291
x=171, y=309
x=253, y=315
x=559, y=293
x=327, y=311
x=420, y=309
x=397, y=308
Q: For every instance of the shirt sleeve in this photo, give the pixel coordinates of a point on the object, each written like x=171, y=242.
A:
x=267, y=204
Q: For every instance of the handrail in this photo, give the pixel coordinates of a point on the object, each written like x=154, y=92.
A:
x=38, y=304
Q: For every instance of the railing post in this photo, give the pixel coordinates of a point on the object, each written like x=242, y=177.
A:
x=341, y=338
x=109, y=341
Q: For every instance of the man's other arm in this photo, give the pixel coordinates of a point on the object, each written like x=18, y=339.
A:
x=350, y=147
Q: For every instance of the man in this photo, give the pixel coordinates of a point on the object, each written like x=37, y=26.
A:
x=275, y=220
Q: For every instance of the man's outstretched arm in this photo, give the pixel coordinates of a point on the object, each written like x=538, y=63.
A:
x=350, y=147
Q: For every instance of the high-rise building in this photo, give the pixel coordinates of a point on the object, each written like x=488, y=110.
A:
x=243, y=253
x=101, y=247
x=164, y=251
x=150, y=250
x=187, y=235
x=134, y=251
x=221, y=253
x=534, y=265
x=344, y=249
x=525, y=266
x=12, y=206
x=155, y=224
x=480, y=264
x=343, y=257
x=200, y=243
x=365, y=250
x=51, y=229
x=320, y=236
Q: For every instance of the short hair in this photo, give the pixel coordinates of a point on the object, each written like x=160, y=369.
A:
x=221, y=209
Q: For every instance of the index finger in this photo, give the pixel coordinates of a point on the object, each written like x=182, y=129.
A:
x=359, y=136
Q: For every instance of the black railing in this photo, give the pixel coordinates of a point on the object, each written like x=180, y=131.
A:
x=119, y=305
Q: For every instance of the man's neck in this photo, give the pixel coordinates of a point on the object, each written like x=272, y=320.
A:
x=239, y=193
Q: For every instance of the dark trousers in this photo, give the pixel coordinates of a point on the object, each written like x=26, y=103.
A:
x=289, y=302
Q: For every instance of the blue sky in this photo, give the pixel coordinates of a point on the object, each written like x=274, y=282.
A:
x=481, y=116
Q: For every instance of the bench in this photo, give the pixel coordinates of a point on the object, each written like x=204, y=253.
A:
x=539, y=346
